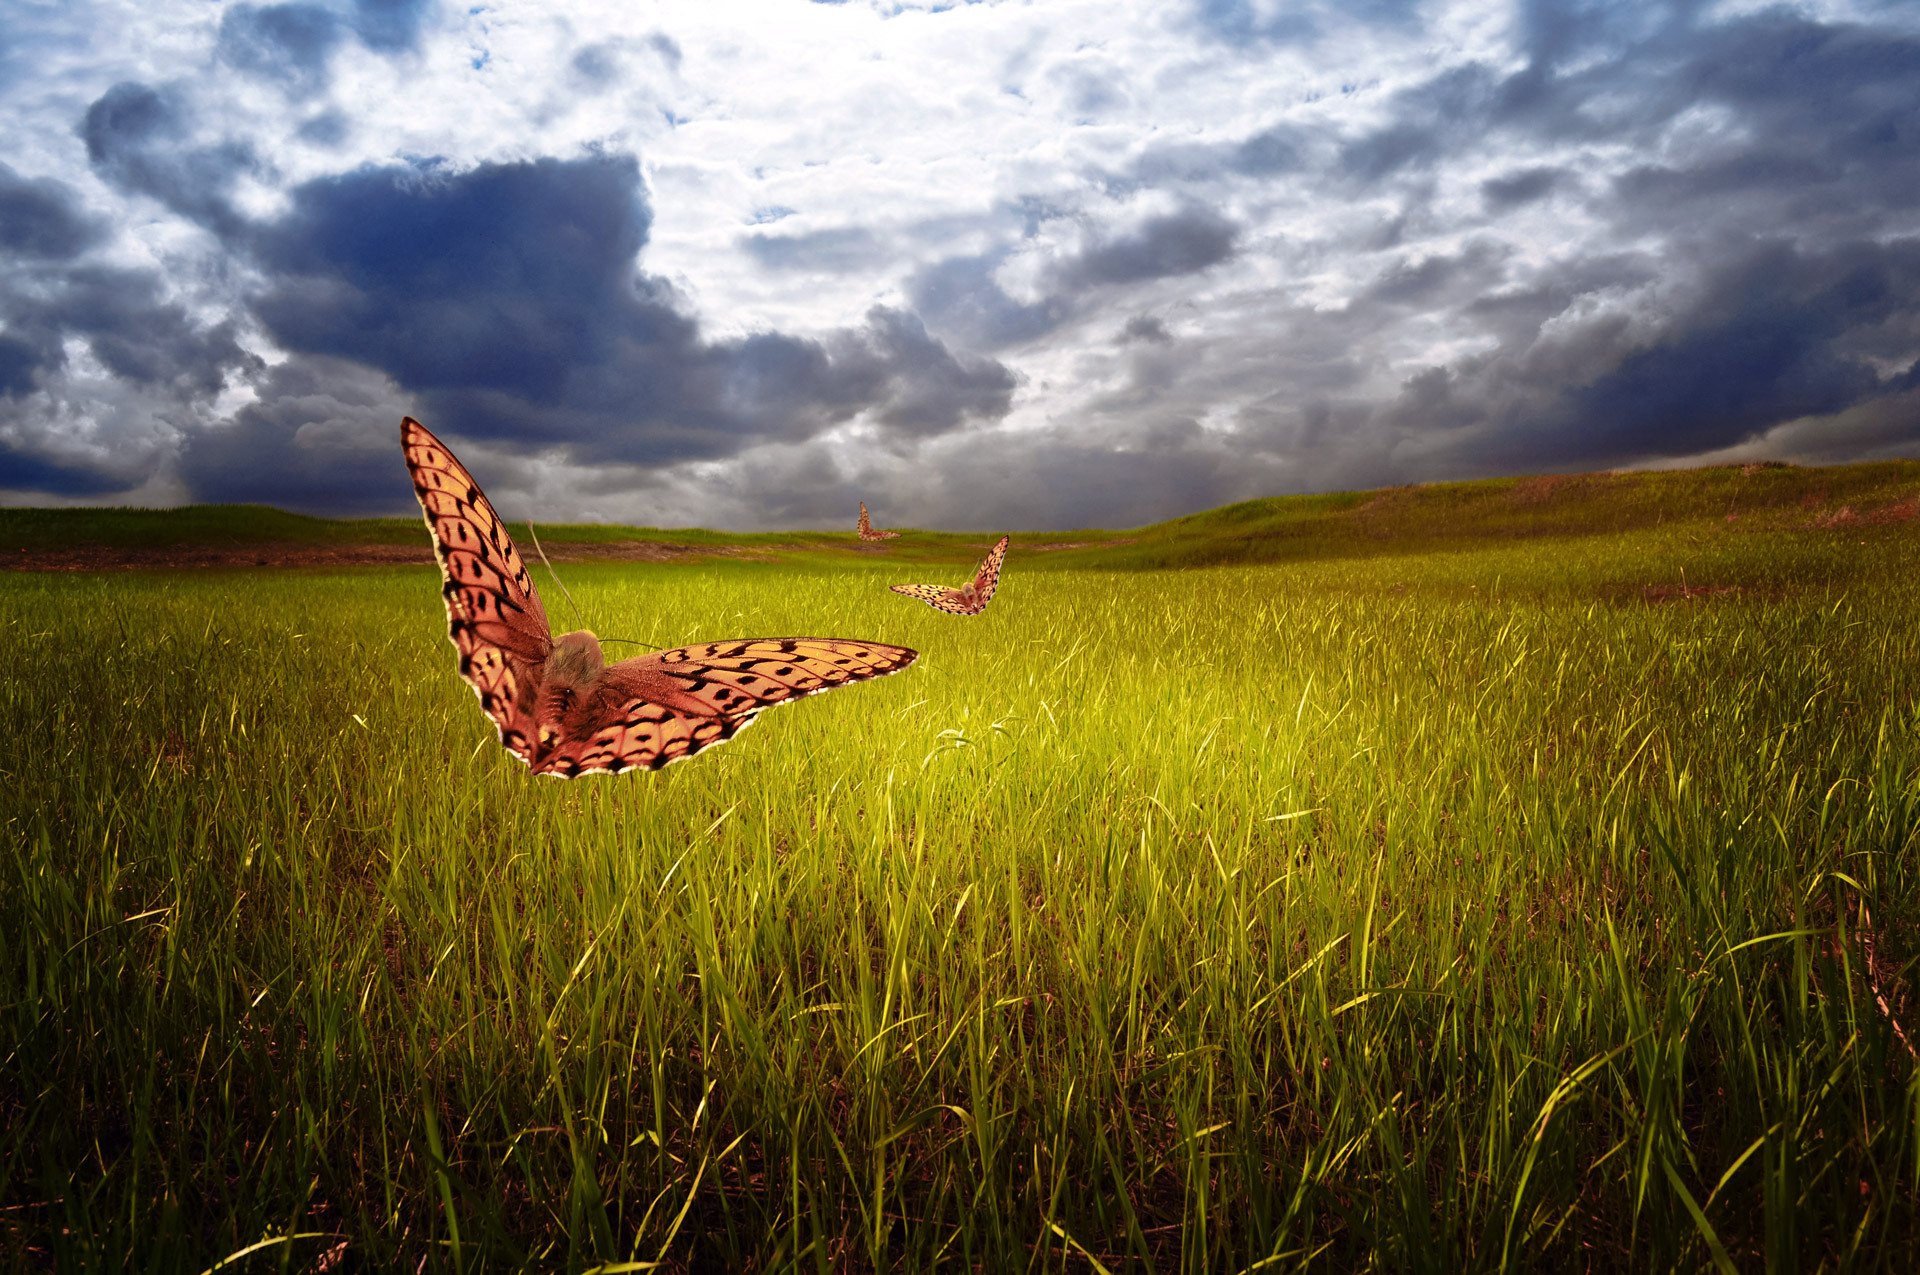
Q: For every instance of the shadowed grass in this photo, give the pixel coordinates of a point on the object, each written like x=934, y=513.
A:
x=1427, y=912
x=1754, y=498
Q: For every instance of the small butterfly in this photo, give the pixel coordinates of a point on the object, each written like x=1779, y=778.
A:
x=866, y=528
x=970, y=598
x=558, y=705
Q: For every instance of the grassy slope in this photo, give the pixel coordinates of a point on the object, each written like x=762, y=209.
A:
x=1276, y=529
x=1414, y=910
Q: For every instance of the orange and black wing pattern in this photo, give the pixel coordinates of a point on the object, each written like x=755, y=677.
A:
x=934, y=595
x=655, y=709
x=987, y=578
x=969, y=599
x=866, y=527
x=494, y=617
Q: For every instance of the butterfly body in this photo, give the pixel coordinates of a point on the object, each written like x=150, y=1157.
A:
x=970, y=598
x=558, y=705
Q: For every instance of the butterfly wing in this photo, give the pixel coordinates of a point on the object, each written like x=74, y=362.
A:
x=971, y=600
x=935, y=595
x=655, y=709
x=988, y=576
x=494, y=616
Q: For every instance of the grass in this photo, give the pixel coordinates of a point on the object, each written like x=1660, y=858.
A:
x=1399, y=520
x=1450, y=908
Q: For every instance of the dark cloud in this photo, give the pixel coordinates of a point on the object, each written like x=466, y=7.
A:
x=1268, y=153
x=1089, y=88
x=1238, y=23
x=390, y=26
x=1271, y=152
x=511, y=277
x=835, y=250
x=1165, y=469
x=507, y=297
x=1769, y=342
x=1515, y=315
x=1522, y=186
x=1422, y=282
x=1177, y=243
x=604, y=62
x=328, y=128
x=1246, y=25
x=1144, y=327
x=961, y=296
x=284, y=44
x=125, y=321
x=42, y=219
x=34, y=472
x=1774, y=335
x=129, y=326
x=55, y=295
x=599, y=64
x=318, y=439
x=1389, y=150
x=667, y=48
x=19, y=362
x=1780, y=240
x=925, y=388
x=138, y=139
x=1636, y=232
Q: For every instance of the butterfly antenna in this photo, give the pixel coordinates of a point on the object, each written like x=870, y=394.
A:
x=569, y=597
x=631, y=642
x=552, y=572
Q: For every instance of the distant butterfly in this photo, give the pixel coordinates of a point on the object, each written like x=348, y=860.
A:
x=866, y=528
x=970, y=598
x=559, y=706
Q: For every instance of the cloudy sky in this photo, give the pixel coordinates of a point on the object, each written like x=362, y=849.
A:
x=990, y=265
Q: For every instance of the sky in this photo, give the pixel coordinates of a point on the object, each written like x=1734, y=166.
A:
x=981, y=265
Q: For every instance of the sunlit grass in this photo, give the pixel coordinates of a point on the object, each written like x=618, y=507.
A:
x=1428, y=912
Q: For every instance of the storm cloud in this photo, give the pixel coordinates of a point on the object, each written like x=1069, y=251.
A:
x=507, y=299
x=143, y=140
x=983, y=266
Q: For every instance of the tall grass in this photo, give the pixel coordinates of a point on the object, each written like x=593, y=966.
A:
x=1426, y=913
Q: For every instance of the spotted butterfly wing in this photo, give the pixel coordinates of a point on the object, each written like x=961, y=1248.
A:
x=658, y=708
x=866, y=527
x=969, y=599
x=556, y=707
x=494, y=616
x=987, y=578
x=934, y=595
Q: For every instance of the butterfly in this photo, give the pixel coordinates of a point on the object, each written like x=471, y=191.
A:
x=866, y=528
x=559, y=707
x=970, y=598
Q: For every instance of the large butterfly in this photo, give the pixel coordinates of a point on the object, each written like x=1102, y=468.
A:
x=866, y=527
x=970, y=598
x=559, y=706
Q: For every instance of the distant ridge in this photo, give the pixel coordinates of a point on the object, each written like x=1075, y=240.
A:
x=1762, y=496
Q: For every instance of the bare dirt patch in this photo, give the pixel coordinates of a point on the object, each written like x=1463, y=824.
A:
x=1544, y=488
x=1387, y=498
x=1887, y=515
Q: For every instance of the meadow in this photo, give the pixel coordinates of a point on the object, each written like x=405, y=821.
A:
x=1523, y=877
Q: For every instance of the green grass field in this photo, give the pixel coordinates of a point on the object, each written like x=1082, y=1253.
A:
x=1521, y=877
